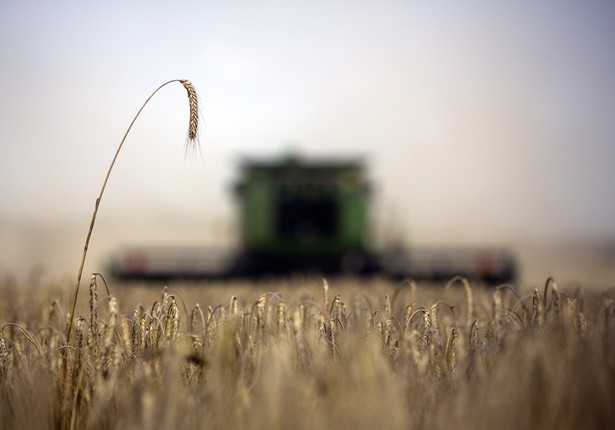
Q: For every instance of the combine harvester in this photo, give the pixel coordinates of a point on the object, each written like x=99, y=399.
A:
x=309, y=216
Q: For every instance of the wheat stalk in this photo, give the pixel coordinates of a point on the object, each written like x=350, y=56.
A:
x=172, y=321
x=387, y=307
x=325, y=293
x=197, y=320
x=192, y=140
x=137, y=333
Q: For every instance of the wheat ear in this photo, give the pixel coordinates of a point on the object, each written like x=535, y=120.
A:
x=192, y=140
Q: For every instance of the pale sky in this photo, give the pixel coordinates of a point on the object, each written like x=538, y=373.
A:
x=481, y=121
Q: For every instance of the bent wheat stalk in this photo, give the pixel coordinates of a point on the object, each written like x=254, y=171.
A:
x=191, y=143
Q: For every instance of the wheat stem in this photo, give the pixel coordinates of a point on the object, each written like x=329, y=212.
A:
x=192, y=137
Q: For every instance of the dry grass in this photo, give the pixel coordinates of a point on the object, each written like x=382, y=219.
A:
x=303, y=355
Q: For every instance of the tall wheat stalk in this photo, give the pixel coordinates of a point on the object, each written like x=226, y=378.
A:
x=191, y=142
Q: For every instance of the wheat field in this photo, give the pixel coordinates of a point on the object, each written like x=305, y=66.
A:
x=302, y=353
x=307, y=354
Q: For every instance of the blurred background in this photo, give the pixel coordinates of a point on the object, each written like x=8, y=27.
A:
x=482, y=123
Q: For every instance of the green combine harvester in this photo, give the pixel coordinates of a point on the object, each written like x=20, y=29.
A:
x=309, y=216
x=303, y=215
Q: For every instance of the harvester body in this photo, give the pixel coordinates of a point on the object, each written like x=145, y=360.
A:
x=298, y=215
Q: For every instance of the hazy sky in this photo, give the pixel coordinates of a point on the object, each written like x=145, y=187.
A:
x=481, y=121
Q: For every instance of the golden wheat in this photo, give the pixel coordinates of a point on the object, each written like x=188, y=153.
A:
x=257, y=361
x=193, y=122
x=193, y=126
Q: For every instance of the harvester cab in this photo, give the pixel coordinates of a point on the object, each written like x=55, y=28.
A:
x=298, y=214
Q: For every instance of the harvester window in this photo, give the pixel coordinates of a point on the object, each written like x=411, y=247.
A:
x=306, y=212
